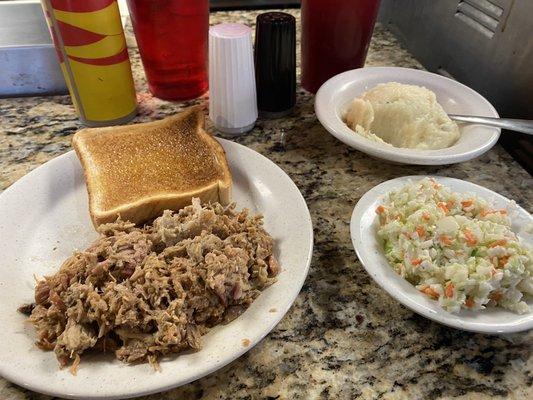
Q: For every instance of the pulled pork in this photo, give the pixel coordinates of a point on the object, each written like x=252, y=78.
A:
x=151, y=291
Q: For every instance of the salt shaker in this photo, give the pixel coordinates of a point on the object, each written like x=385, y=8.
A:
x=232, y=90
x=275, y=63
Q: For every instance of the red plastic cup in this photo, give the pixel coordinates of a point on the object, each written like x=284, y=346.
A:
x=335, y=37
x=172, y=40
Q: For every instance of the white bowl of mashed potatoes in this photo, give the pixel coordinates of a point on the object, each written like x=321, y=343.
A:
x=400, y=115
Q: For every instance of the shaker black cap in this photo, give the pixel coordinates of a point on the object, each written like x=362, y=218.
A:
x=275, y=63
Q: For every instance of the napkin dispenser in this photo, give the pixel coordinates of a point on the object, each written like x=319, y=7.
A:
x=28, y=61
x=485, y=44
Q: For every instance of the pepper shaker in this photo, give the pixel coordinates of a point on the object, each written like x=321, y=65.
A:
x=275, y=63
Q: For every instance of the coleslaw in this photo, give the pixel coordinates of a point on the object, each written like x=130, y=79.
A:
x=455, y=248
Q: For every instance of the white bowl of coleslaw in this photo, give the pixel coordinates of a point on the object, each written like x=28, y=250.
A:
x=450, y=250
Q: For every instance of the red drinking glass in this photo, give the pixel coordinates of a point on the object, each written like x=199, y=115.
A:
x=335, y=37
x=172, y=40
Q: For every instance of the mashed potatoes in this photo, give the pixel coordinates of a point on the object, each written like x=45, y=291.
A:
x=403, y=116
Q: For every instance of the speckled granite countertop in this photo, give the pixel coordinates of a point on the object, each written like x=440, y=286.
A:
x=344, y=338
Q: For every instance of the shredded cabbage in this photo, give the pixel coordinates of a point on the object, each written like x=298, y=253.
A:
x=455, y=248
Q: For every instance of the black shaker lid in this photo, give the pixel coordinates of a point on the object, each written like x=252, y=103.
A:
x=275, y=62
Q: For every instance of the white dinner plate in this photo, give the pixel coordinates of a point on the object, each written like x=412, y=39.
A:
x=44, y=217
x=334, y=96
x=363, y=229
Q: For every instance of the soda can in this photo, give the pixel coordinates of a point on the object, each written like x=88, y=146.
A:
x=91, y=47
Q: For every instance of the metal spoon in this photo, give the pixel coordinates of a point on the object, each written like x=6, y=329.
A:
x=517, y=125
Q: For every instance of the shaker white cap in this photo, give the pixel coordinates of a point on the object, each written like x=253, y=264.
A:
x=232, y=92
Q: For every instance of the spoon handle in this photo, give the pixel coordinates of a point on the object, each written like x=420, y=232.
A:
x=517, y=125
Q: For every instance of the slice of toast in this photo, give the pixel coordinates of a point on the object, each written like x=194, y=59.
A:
x=138, y=171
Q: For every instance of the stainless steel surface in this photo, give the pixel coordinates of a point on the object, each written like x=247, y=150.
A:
x=252, y=4
x=486, y=44
x=517, y=125
x=28, y=61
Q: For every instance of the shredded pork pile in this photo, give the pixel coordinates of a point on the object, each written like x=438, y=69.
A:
x=147, y=292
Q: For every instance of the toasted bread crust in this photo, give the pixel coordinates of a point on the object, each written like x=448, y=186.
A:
x=138, y=171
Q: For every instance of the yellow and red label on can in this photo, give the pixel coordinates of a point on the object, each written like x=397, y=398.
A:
x=92, y=51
